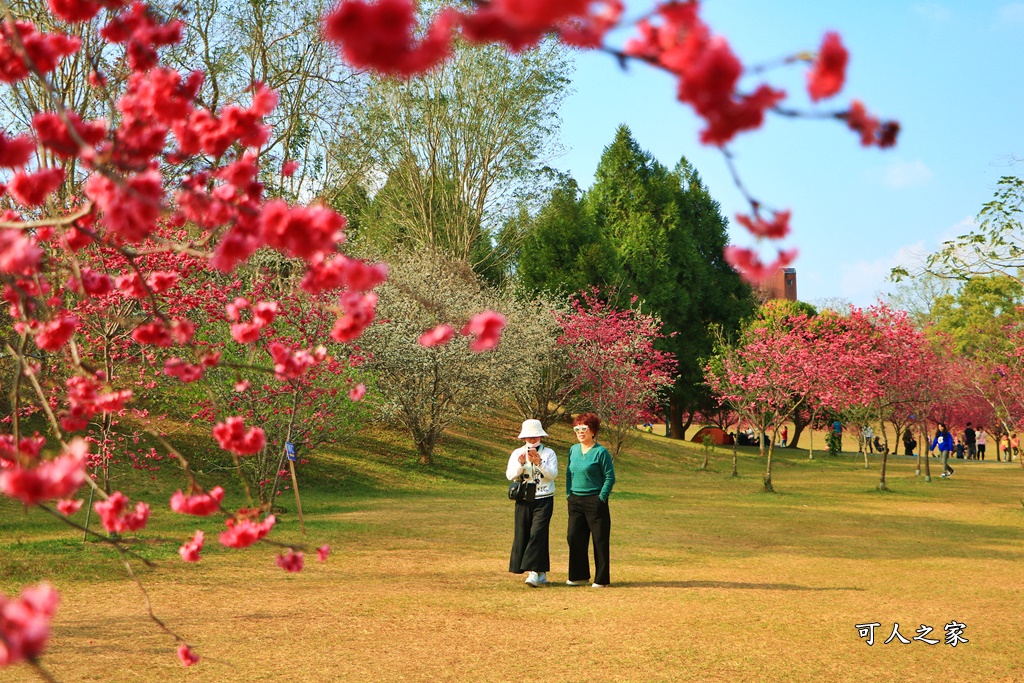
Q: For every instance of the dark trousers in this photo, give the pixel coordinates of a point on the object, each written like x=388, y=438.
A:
x=588, y=516
x=530, y=543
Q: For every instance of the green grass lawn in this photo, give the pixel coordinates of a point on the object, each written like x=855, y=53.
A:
x=713, y=580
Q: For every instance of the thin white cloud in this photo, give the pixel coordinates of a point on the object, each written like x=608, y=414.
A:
x=1011, y=13
x=864, y=282
x=933, y=12
x=903, y=174
x=957, y=229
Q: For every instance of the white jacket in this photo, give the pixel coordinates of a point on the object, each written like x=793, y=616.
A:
x=544, y=475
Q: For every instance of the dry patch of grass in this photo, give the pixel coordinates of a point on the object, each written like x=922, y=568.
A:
x=712, y=581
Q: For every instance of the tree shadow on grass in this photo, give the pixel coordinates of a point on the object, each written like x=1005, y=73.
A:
x=735, y=585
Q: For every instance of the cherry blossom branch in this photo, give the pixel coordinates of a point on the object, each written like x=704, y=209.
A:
x=43, y=673
x=31, y=375
x=48, y=222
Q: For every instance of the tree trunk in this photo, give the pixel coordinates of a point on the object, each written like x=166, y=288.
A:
x=768, y=471
x=675, y=413
x=734, y=472
x=798, y=428
x=668, y=423
x=927, y=463
x=867, y=464
x=810, y=438
x=686, y=425
x=885, y=437
x=881, y=480
x=425, y=448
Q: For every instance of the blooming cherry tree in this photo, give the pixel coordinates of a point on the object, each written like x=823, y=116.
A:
x=613, y=362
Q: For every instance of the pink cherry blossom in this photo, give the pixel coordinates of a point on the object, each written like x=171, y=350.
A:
x=190, y=549
x=242, y=533
x=232, y=436
x=290, y=561
x=199, y=504
x=50, y=479
x=187, y=657
x=25, y=623
x=486, y=327
x=437, y=336
x=115, y=516
x=68, y=507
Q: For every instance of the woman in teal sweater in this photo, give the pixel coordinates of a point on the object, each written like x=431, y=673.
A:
x=588, y=483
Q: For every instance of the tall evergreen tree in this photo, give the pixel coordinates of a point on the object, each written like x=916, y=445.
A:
x=722, y=298
x=667, y=234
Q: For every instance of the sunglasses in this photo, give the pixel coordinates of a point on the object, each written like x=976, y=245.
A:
x=579, y=429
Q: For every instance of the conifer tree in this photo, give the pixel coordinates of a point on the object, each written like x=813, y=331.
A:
x=667, y=234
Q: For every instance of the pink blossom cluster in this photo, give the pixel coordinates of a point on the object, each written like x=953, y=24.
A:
x=200, y=504
x=190, y=550
x=290, y=562
x=85, y=400
x=293, y=363
x=233, y=436
x=25, y=623
x=28, y=448
x=117, y=517
x=243, y=532
x=48, y=479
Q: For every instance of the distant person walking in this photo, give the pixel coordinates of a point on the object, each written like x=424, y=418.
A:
x=971, y=442
x=982, y=439
x=943, y=442
x=784, y=433
x=538, y=464
x=589, y=478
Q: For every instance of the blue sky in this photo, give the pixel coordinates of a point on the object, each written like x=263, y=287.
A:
x=950, y=72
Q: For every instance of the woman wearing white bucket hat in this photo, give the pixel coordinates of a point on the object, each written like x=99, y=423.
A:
x=539, y=464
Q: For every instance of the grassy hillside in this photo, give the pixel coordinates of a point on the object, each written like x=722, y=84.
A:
x=713, y=580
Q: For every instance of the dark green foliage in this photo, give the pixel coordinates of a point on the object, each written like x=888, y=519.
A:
x=562, y=249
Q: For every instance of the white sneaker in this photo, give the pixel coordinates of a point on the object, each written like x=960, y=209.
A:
x=532, y=579
x=599, y=585
x=584, y=582
x=542, y=578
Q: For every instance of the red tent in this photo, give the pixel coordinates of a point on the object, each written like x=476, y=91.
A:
x=718, y=437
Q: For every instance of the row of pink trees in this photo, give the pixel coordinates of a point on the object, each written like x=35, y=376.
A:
x=870, y=365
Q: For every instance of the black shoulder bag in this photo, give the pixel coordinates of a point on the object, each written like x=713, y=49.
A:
x=522, y=490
